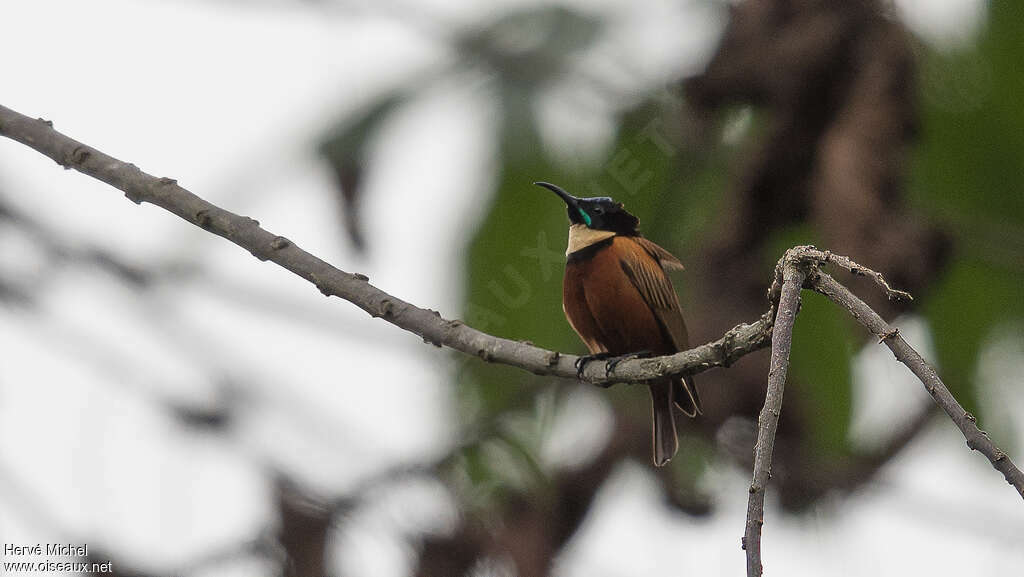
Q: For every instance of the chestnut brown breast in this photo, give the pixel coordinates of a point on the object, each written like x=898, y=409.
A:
x=612, y=295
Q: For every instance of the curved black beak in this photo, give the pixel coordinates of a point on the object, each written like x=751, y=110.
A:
x=568, y=198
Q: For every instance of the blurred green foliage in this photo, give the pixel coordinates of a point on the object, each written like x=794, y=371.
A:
x=967, y=174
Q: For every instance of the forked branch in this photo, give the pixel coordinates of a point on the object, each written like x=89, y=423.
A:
x=801, y=266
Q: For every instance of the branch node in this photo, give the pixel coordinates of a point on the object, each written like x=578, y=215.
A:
x=360, y=276
x=280, y=243
x=727, y=345
x=135, y=195
x=167, y=181
x=78, y=156
x=46, y=122
x=661, y=368
x=323, y=286
x=888, y=335
x=485, y=354
x=387, y=308
x=551, y=359
x=201, y=217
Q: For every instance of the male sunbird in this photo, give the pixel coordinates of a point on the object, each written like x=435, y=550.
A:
x=620, y=301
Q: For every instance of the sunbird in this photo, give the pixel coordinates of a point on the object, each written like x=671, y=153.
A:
x=620, y=301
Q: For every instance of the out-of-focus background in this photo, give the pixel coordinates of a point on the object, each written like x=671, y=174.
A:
x=186, y=410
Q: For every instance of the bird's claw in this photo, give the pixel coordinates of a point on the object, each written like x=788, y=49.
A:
x=613, y=362
x=581, y=362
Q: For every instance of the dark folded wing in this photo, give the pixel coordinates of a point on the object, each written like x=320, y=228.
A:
x=646, y=269
x=667, y=260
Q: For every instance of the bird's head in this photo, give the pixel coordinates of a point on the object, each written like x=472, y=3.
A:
x=598, y=213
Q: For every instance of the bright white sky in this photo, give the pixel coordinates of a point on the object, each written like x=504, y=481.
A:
x=197, y=91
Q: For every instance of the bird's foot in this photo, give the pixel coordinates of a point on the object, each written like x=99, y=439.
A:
x=581, y=363
x=614, y=361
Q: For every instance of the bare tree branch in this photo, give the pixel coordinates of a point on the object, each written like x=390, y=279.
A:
x=767, y=423
x=823, y=283
x=800, y=267
x=976, y=438
x=355, y=288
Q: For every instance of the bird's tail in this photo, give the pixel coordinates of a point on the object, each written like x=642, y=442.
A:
x=684, y=394
x=665, y=442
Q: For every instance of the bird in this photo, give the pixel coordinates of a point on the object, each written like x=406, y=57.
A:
x=619, y=299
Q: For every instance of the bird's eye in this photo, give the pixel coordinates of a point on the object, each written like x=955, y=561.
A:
x=598, y=210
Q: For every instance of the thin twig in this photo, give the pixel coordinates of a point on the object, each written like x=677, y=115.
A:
x=768, y=421
x=355, y=288
x=812, y=256
x=976, y=438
